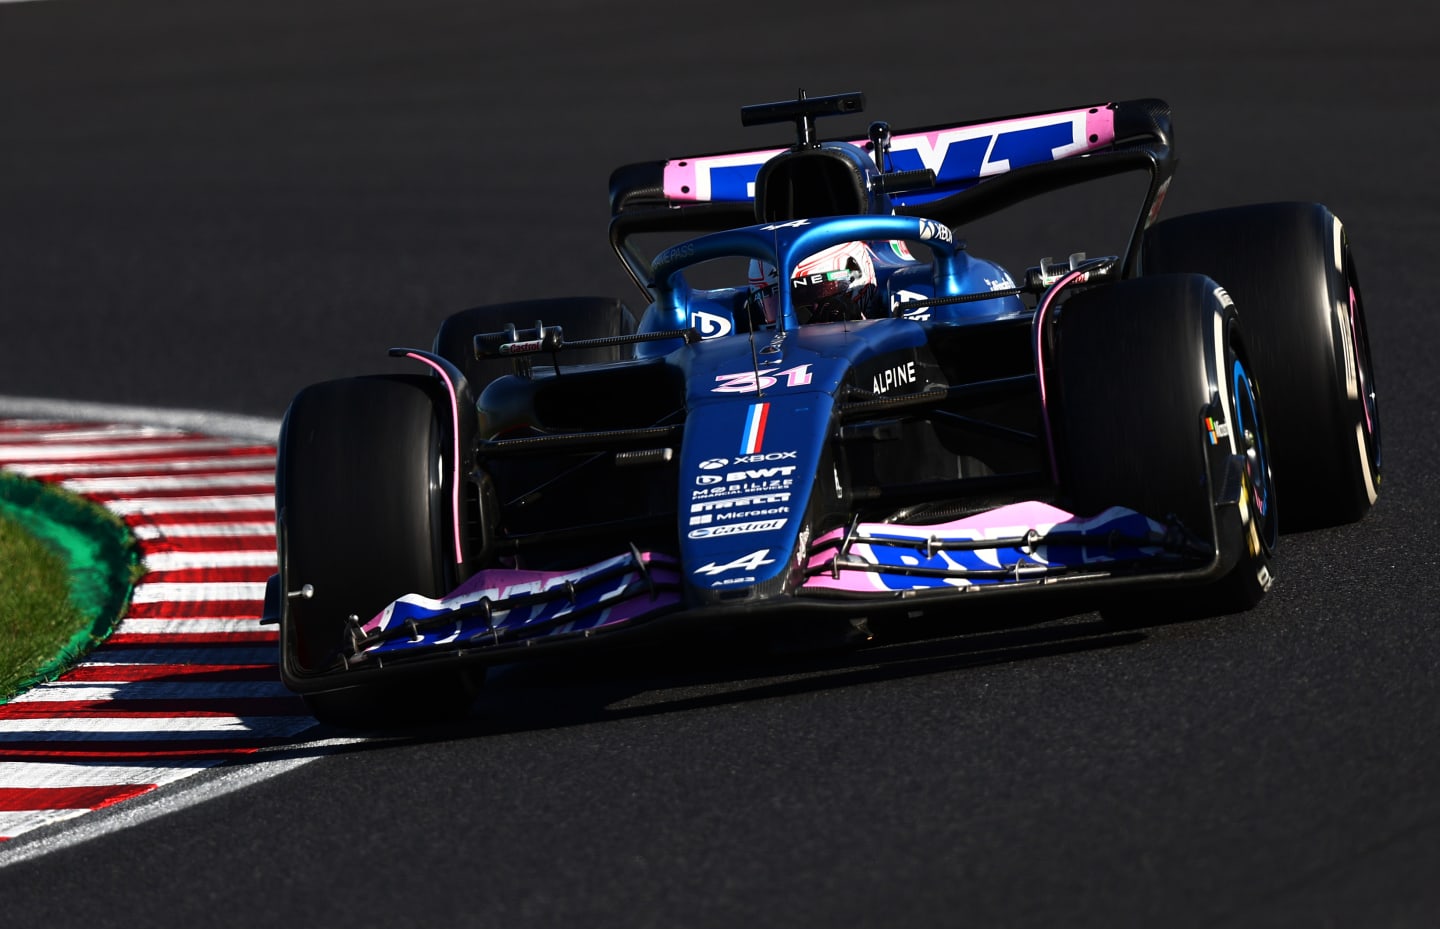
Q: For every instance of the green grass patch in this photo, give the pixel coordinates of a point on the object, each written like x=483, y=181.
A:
x=36, y=616
x=67, y=567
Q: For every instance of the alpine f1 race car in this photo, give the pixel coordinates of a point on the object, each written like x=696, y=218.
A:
x=829, y=409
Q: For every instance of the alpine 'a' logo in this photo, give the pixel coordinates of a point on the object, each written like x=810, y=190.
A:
x=750, y=562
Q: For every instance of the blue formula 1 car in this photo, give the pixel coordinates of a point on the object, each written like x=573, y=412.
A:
x=829, y=411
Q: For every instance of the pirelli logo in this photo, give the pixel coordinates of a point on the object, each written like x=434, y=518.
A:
x=751, y=502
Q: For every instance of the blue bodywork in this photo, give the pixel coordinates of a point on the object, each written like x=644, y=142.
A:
x=794, y=372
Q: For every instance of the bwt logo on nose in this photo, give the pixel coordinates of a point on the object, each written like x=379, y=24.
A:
x=760, y=474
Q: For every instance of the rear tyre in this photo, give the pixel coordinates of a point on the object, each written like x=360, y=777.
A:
x=1156, y=401
x=1289, y=269
x=361, y=513
x=579, y=317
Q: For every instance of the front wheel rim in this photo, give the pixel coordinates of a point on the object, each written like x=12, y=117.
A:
x=1251, y=442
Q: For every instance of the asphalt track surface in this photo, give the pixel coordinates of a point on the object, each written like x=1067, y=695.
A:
x=208, y=205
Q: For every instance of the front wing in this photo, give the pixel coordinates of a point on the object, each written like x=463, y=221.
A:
x=502, y=614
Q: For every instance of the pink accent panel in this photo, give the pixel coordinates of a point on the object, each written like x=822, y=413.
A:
x=1101, y=124
x=853, y=581
x=863, y=581
x=1014, y=518
x=639, y=606
x=454, y=452
x=821, y=560
x=503, y=579
x=694, y=173
x=1028, y=515
x=1039, y=338
x=680, y=179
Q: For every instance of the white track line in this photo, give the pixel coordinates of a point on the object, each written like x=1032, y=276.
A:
x=80, y=774
x=181, y=561
x=217, y=626
x=155, y=466
x=85, y=450
x=97, y=434
x=260, y=480
x=148, y=728
x=160, y=506
x=159, y=529
x=190, y=593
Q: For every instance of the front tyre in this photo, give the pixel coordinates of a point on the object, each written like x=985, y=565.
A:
x=361, y=519
x=1158, y=412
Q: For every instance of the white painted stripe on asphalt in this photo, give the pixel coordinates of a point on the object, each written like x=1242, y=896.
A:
x=34, y=425
x=162, y=627
x=153, y=690
x=17, y=821
x=161, y=505
x=260, y=480
x=161, y=530
x=147, y=728
x=87, y=435
x=54, y=452
x=165, y=592
x=27, y=774
x=188, y=560
x=165, y=465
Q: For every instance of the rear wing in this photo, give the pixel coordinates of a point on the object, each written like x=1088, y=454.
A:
x=980, y=167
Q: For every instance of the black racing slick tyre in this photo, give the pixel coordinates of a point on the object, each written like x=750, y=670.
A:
x=361, y=517
x=579, y=317
x=1290, y=271
x=1158, y=413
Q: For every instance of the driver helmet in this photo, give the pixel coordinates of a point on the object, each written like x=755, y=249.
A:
x=831, y=285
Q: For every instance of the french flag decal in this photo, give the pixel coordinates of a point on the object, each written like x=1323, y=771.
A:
x=754, y=435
